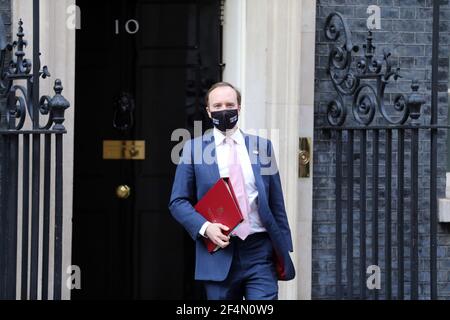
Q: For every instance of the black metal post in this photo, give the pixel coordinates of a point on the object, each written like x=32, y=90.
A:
x=434, y=145
x=25, y=216
x=36, y=64
x=350, y=214
x=414, y=214
x=388, y=223
x=362, y=222
x=375, y=146
x=58, y=104
x=3, y=214
x=11, y=221
x=400, y=220
x=57, y=282
x=36, y=159
x=339, y=215
x=35, y=215
x=46, y=215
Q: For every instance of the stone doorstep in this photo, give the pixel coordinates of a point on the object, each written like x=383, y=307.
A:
x=444, y=210
x=447, y=185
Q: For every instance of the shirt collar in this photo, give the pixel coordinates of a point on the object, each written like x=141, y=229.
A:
x=237, y=136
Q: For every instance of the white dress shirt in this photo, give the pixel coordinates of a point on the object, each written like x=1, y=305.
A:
x=222, y=152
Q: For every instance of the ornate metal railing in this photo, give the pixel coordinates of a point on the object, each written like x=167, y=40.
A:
x=19, y=85
x=360, y=83
x=368, y=98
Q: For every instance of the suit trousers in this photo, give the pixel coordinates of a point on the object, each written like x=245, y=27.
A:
x=252, y=273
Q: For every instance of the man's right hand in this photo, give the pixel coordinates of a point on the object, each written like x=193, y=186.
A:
x=214, y=233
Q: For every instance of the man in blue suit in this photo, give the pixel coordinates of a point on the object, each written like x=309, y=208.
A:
x=256, y=255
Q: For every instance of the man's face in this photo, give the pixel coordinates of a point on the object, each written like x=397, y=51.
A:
x=222, y=98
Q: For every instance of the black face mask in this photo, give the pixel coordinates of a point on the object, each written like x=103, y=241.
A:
x=225, y=119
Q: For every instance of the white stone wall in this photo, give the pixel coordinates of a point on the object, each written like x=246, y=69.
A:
x=269, y=54
x=57, y=46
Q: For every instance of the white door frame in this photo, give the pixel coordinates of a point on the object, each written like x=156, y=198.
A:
x=269, y=52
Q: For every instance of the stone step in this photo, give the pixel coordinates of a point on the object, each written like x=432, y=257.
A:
x=444, y=204
x=444, y=210
x=447, y=186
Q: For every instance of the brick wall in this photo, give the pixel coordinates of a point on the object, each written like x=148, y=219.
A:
x=406, y=29
x=5, y=11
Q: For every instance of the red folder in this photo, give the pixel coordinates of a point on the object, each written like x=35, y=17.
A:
x=219, y=205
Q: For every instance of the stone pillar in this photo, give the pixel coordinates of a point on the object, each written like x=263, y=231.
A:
x=269, y=53
x=58, y=53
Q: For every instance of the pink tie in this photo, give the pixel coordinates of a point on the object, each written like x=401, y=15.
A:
x=238, y=183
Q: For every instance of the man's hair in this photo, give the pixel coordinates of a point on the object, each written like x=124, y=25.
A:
x=222, y=84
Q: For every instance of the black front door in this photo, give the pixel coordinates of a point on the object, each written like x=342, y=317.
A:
x=142, y=69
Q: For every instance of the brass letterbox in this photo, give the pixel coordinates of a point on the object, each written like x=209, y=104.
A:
x=124, y=150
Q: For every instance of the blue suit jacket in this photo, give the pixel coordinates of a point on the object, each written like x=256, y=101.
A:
x=195, y=175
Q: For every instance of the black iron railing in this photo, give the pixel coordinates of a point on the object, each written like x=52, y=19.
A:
x=374, y=123
x=23, y=102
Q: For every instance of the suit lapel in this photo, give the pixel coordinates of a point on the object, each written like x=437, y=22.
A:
x=213, y=169
x=253, y=152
